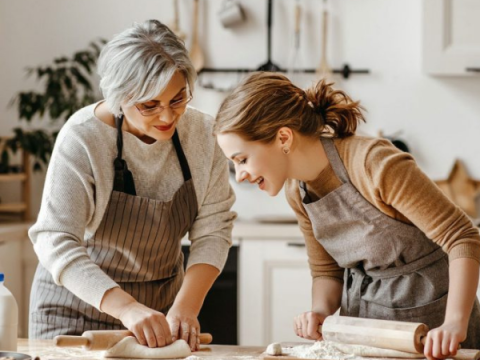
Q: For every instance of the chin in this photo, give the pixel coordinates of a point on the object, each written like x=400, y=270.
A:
x=273, y=192
x=164, y=135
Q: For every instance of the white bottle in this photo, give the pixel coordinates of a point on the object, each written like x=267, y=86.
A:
x=8, y=318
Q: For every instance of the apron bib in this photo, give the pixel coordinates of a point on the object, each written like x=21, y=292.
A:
x=138, y=244
x=392, y=270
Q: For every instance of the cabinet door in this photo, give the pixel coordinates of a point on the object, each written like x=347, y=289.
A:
x=275, y=286
x=451, y=45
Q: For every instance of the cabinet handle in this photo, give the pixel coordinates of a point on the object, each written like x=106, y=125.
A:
x=296, y=244
x=472, y=69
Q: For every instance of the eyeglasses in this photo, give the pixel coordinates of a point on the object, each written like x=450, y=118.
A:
x=147, y=110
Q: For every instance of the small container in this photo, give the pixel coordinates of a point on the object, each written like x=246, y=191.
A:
x=8, y=318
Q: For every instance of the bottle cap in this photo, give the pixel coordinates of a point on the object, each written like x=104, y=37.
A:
x=2, y=277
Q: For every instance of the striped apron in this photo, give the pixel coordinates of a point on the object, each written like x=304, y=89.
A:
x=392, y=270
x=138, y=244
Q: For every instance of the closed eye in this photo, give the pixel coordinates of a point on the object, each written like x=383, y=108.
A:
x=242, y=162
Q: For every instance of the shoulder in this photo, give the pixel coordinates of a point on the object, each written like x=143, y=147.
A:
x=84, y=125
x=366, y=151
x=84, y=133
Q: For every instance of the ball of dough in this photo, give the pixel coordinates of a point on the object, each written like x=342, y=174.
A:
x=274, y=349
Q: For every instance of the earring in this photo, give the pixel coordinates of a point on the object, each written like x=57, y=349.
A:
x=286, y=150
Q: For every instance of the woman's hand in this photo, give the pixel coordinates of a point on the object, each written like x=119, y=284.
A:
x=149, y=326
x=184, y=325
x=443, y=342
x=306, y=325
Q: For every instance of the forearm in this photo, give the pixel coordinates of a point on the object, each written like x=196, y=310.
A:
x=115, y=301
x=326, y=295
x=198, y=280
x=462, y=290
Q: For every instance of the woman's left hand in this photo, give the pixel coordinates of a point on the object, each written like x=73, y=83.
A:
x=443, y=342
x=184, y=325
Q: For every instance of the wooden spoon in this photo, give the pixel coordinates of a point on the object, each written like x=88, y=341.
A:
x=196, y=54
x=324, y=70
x=176, y=22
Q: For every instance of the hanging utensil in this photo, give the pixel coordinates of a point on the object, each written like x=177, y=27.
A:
x=324, y=70
x=293, y=61
x=176, y=21
x=196, y=54
x=269, y=65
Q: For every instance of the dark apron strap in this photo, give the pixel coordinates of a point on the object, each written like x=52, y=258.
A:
x=123, y=180
x=181, y=157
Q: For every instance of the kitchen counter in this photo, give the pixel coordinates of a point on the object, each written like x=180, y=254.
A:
x=45, y=350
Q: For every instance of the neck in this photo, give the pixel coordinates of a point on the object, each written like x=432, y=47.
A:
x=308, y=159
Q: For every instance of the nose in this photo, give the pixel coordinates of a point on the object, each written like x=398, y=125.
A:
x=240, y=176
x=167, y=115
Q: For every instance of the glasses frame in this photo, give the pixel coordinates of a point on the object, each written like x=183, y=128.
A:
x=159, y=108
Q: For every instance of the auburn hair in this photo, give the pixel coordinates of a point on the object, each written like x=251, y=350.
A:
x=264, y=102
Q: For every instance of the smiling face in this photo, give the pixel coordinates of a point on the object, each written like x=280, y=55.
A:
x=160, y=126
x=256, y=162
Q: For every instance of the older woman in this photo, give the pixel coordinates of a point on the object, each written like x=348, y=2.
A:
x=128, y=178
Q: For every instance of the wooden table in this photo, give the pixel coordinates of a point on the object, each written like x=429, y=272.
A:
x=45, y=350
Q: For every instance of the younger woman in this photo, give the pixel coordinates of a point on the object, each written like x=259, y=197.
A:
x=383, y=241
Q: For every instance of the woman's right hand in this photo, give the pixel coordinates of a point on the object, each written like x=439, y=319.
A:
x=306, y=325
x=149, y=326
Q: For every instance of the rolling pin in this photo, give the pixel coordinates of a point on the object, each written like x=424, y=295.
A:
x=105, y=339
x=384, y=334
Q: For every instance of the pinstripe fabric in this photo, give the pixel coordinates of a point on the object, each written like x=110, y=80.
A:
x=392, y=270
x=138, y=245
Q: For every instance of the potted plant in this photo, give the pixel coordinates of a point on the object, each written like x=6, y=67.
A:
x=67, y=86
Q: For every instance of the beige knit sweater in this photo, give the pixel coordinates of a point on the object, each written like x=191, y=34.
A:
x=79, y=183
x=391, y=181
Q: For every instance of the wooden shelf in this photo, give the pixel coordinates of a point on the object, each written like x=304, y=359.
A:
x=21, y=208
x=13, y=207
x=13, y=177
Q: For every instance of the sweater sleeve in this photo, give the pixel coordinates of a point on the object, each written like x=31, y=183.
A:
x=211, y=233
x=67, y=205
x=319, y=260
x=399, y=183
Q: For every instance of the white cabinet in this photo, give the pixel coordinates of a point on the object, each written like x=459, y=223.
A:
x=451, y=41
x=274, y=286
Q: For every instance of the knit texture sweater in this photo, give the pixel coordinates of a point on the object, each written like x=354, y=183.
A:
x=79, y=182
x=390, y=180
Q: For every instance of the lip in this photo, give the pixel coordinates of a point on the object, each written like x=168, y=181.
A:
x=164, y=128
x=262, y=184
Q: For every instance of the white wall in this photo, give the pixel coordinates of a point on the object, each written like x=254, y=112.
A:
x=439, y=116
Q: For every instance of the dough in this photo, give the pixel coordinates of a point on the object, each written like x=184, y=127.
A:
x=369, y=351
x=130, y=348
x=274, y=349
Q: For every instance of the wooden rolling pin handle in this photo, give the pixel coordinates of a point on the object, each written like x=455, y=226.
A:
x=205, y=338
x=79, y=341
x=70, y=341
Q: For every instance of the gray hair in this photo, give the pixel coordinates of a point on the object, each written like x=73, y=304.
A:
x=137, y=64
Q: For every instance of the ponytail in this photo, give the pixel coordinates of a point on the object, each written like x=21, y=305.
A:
x=265, y=101
x=339, y=113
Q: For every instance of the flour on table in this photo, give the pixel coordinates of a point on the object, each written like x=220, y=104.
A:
x=319, y=350
x=193, y=357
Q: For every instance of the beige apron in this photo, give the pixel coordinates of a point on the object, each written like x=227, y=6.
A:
x=392, y=270
x=138, y=244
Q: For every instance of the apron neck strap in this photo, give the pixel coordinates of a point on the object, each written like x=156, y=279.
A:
x=335, y=160
x=123, y=180
x=181, y=157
